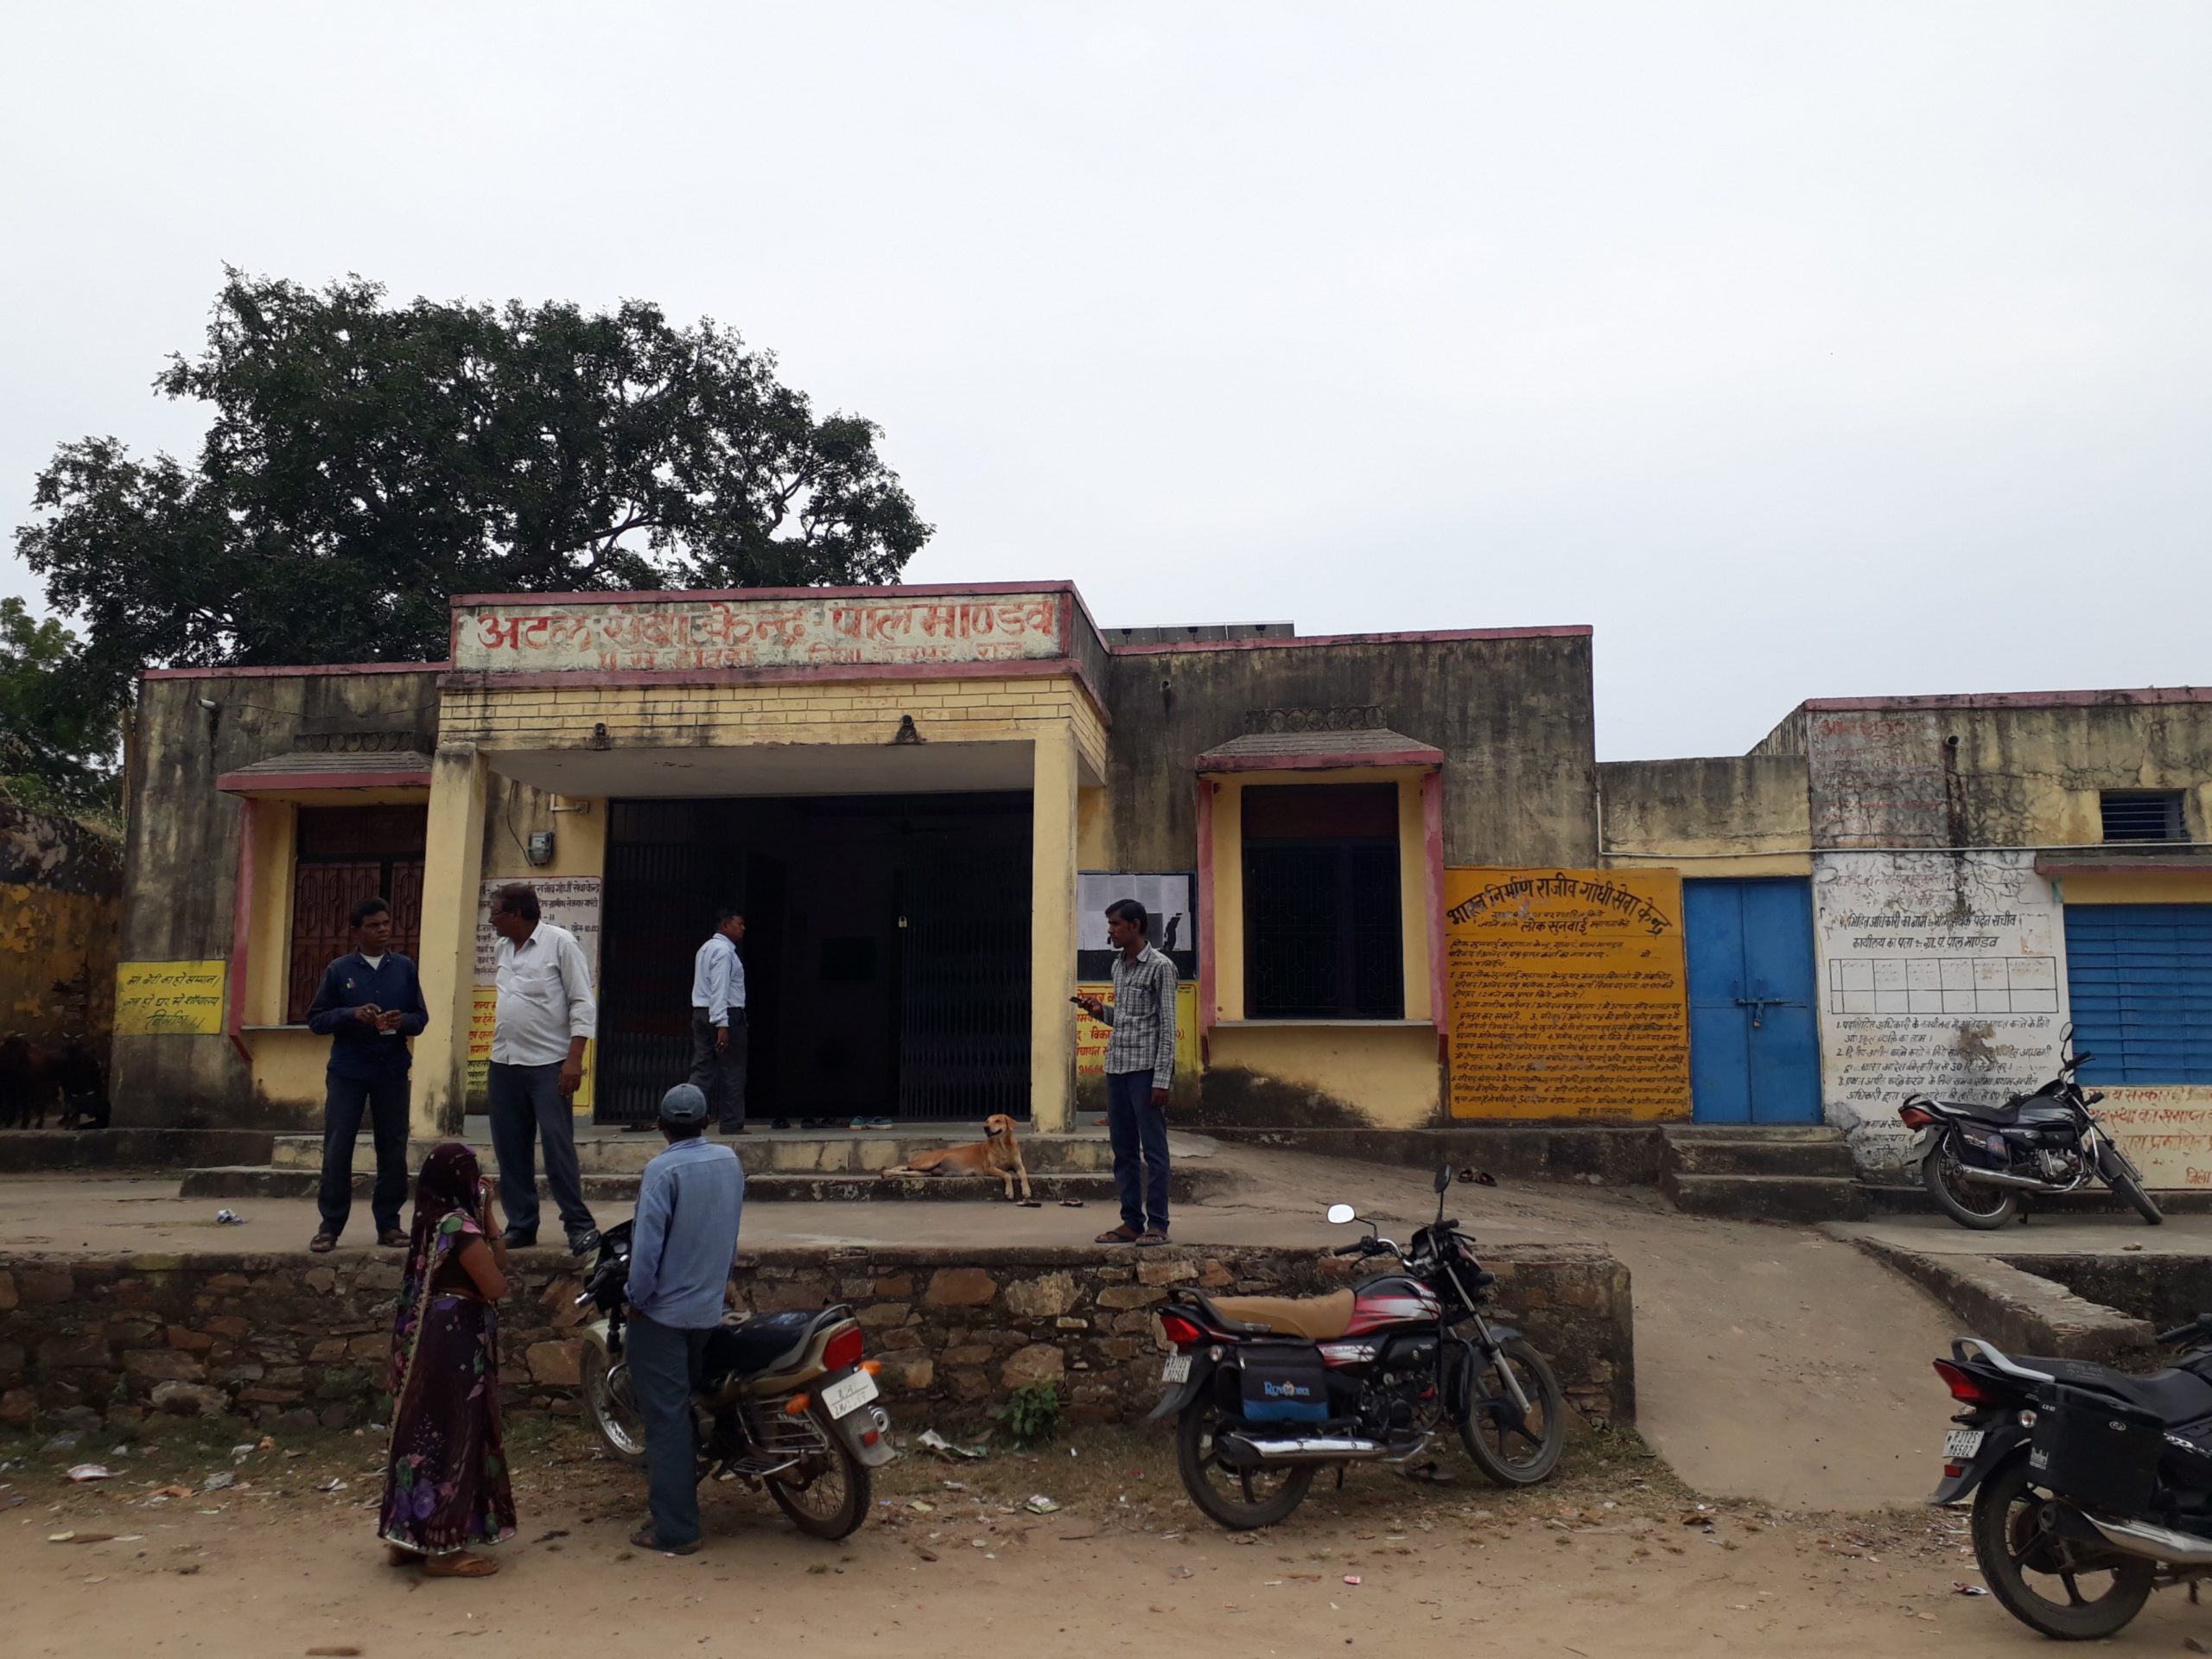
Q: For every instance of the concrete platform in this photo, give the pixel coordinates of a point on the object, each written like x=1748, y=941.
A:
x=1186, y=1182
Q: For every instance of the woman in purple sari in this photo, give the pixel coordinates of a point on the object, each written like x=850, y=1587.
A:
x=447, y=1487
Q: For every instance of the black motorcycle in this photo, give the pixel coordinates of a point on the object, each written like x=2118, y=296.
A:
x=1976, y=1160
x=1267, y=1390
x=784, y=1401
x=2091, y=1487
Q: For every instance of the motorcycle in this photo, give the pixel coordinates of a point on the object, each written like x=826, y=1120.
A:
x=1975, y=1160
x=2094, y=1478
x=1266, y=1390
x=784, y=1401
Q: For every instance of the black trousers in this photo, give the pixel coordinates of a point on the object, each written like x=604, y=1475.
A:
x=344, y=1101
x=718, y=1072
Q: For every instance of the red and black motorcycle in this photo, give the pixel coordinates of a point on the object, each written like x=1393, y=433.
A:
x=1267, y=1390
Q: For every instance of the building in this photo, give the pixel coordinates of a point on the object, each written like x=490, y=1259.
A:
x=1919, y=893
x=1399, y=887
x=922, y=797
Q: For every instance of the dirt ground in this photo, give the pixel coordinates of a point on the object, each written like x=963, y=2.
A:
x=1613, y=1558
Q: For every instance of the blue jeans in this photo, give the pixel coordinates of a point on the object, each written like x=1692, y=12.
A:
x=662, y=1359
x=344, y=1101
x=1138, y=1132
x=526, y=1106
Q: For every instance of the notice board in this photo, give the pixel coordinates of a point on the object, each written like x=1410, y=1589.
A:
x=169, y=998
x=1568, y=995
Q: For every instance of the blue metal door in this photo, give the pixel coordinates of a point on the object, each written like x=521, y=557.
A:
x=1755, y=1049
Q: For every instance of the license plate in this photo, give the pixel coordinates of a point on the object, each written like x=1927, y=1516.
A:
x=850, y=1395
x=1960, y=1443
x=1177, y=1369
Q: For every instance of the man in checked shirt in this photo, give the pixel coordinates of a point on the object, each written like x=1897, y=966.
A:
x=1140, y=1066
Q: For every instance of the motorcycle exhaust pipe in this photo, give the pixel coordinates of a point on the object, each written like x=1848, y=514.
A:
x=1242, y=1452
x=2001, y=1178
x=2159, y=1544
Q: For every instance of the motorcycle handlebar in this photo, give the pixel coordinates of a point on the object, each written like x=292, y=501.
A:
x=2180, y=1333
x=1358, y=1247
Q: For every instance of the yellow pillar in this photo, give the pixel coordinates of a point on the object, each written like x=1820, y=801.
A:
x=1051, y=931
x=451, y=873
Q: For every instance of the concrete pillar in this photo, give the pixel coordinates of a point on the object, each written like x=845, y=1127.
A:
x=1051, y=932
x=453, y=859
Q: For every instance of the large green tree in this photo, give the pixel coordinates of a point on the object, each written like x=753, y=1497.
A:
x=57, y=742
x=364, y=461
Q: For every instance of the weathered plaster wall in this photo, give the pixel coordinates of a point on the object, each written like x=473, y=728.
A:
x=1513, y=715
x=61, y=893
x=181, y=860
x=1741, y=815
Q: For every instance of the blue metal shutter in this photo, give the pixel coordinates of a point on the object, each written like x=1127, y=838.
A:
x=2139, y=981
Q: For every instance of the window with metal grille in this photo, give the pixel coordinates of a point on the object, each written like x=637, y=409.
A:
x=2138, y=980
x=2142, y=814
x=1322, y=928
x=343, y=854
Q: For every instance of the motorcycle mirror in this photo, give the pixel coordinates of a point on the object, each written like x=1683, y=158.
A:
x=1443, y=1178
x=1341, y=1213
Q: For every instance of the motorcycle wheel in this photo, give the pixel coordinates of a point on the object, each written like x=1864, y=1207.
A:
x=1959, y=1198
x=2008, y=1544
x=1524, y=1453
x=1239, y=1500
x=611, y=1411
x=832, y=1499
x=2120, y=1176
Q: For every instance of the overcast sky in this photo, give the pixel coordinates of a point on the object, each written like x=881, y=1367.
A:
x=1803, y=351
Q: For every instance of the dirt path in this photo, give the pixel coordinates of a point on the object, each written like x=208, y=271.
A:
x=1600, y=1565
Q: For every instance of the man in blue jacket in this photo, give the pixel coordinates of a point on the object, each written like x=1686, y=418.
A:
x=369, y=1004
x=682, y=1250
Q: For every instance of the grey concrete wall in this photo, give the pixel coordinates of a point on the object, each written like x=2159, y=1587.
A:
x=181, y=855
x=1513, y=717
x=1724, y=803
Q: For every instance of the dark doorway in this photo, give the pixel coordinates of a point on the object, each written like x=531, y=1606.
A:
x=886, y=951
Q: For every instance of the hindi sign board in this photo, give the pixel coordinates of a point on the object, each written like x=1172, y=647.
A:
x=1568, y=994
x=169, y=998
x=692, y=632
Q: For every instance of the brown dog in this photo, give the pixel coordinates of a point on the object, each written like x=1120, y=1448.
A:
x=998, y=1156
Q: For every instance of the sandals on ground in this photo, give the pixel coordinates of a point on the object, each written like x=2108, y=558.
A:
x=1152, y=1239
x=1116, y=1236
x=461, y=1565
x=644, y=1539
x=393, y=1239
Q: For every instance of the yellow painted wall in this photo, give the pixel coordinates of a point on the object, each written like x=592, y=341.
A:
x=1732, y=815
x=1094, y=830
x=1414, y=899
x=796, y=711
x=2031, y=776
x=1389, y=1072
x=48, y=937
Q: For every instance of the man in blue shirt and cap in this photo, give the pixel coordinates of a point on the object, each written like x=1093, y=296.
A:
x=682, y=1246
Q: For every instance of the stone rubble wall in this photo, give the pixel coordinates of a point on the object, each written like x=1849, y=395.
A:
x=294, y=1341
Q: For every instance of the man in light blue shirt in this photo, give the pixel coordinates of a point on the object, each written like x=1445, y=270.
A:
x=718, y=1022
x=681, y=1248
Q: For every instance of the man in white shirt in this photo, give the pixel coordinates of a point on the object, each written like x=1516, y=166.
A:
x=718, y=1028
x=546, y=1016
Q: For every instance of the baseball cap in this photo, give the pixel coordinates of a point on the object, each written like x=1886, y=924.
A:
x=685, y=1104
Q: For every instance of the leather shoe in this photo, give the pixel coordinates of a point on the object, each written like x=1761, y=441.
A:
x=519, y=1241
x=584, y=1244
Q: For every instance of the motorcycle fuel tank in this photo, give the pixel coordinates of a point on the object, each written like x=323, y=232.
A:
x=1394, y=1298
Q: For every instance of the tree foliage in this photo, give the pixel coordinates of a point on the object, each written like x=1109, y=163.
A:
x=366, y=461
x=57, y=745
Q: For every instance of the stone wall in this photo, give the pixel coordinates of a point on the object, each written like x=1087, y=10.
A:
x=295, y=1340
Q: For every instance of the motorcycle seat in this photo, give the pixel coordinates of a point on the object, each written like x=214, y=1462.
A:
x=1318, y=1319
x=2030, y=1107
x=2171, y=1397
x=767, y=1342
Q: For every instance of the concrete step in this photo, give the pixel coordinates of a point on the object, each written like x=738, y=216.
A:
x=1801, y=1198
x=2090, y=1201
x=848, y=1152
x=1185, y=1184
x=1750, y=1131
x=1761, y=1157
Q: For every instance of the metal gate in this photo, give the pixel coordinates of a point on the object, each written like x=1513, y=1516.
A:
x=963, y=982
x=1755, y=1051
